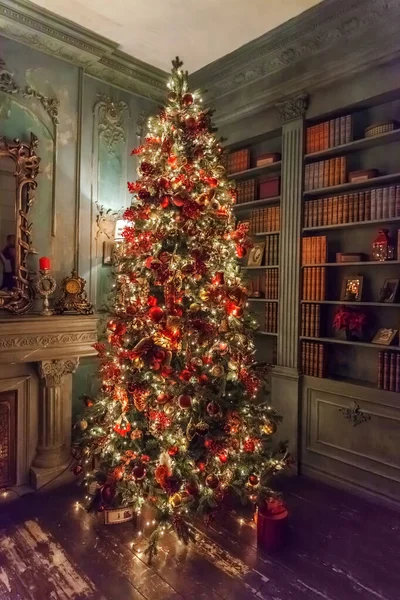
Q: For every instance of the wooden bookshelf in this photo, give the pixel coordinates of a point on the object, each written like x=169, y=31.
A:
x=350, y=186
x=329, y=340
x=256, y=171
x=354, y=304
x=366, y=263
x=255, y=203
x=356, y=145
x=353, y=224
x=360, y=154
x=258, y=198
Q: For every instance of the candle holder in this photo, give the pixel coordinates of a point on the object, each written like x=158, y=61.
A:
x=46, y=286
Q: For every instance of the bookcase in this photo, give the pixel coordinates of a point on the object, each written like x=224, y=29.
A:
x=351, y=193
x=255, y=166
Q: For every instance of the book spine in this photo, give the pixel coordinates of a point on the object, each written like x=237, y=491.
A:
x=331, y=133
x=321, y=136
x=367, y=208
x=345, y=208
x=340, y=209
x=317, y=326
x=361, y=206
x=335, y=220
x=349, y=129
x=392, y=372
x=321, y=361
x=308, y=140
x=315, y=214
x=303, y=358
x=351, y=208
x=342, y=134
x=385, y=203
x=307, y=214
x=307, y=178
x=397, y=383
x=397, y=201
x=331, y=172
x=379, y=203
x=373, y=204
x=356, y=207
x=343, y=169
x=311, y=316
x=392, y=201
x=267, y=250
x=380, y=370
x=337, y=132
x=326, y=134
x=324, y=250
x=329, y=202
x=321, y=182
x=323, y=282
x=386, y=370
x=315, y=359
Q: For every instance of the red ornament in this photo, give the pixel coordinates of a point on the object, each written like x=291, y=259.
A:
x=139, y=472
x=240, y=251
x=172, y=160
x=163, y=398
x=152, y=301
x=187, y=99
x=88, y=401
x=191, y=123
x=203, y=379
x=254, y=480
x=249, y=446
x=111, y=325
x=212, y=481
x=213, y=409
x=156, y=314
x=192, y=488
x=108, y=493
x=173, y=451
x=165, y=201
x=185, y=375
x=201, y=466
x=178, y=200
x=185, y=401
x=173, y=484
x=223, y=457
x=77, y=470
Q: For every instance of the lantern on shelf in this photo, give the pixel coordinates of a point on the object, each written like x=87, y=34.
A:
x=382, y=248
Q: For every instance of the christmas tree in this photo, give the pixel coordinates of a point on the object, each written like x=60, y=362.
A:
x=178, y=424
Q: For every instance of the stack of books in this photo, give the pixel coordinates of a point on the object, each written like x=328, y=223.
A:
x=246, y=191
x=238, y=161
x=271, y=317
x=272, y=250
x=370, y=205
x=310, y=320
x=314, y=283
x=314, y=250
x=265, y=219
x=389, y=371
x=329, y=134
x=271, y=284
x=313, y=359
x=325, y=173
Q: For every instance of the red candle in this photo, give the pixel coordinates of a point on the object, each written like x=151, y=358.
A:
x=44, y=263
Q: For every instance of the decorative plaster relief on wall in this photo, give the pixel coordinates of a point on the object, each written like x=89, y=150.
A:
x=111, y=126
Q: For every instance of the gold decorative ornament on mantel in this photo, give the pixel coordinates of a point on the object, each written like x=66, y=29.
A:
x=73, y=296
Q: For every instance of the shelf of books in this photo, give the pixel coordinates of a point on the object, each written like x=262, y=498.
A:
x=255, y=167
x=351, y=220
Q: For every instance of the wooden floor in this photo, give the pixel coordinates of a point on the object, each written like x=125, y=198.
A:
x=341, y=548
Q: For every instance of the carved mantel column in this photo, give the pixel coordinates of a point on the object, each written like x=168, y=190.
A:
x=285, y=377
x=52, y=449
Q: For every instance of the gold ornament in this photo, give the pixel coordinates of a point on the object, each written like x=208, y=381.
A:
x=204, y=294
x=217, y=371
x=73, y=296
x=224, y=327
x=176, y=500
x=136, y=434
x=269, y=427
x=83, y=424
x=194, y=307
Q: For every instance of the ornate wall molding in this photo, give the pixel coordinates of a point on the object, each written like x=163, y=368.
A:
x=47, y=341
x=111, y=127
x=53, y=371
x=293, y=108
x=98, y=56
x=9, y=86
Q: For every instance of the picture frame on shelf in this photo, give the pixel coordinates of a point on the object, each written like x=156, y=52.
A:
x=389, y=290
x=256, y=255
x=352, y=288
x=385, y=336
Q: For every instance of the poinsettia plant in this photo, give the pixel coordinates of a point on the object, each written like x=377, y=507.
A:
x=349, y=319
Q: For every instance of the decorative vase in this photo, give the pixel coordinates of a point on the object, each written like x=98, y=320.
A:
x=272, y=520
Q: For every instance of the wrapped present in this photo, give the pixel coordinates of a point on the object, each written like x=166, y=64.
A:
x=272, y=519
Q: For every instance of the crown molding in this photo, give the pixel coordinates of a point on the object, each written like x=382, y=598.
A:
x=328, y=42
x=24, y=22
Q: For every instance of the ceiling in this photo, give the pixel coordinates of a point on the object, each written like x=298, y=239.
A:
x=199, y=31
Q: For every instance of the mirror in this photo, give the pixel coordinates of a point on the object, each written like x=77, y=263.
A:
x=19, y=167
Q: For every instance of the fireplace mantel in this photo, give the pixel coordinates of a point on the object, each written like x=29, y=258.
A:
x=33, y=338
x=38, y=356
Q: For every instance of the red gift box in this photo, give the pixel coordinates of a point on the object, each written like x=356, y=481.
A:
x=272, y=519
x=269, y=186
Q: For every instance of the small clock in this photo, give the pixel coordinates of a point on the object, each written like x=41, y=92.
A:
x=73, y=297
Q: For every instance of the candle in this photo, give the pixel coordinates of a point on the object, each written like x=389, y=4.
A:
x=44, y=263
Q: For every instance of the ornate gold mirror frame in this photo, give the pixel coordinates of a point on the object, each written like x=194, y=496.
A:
x=20, y=298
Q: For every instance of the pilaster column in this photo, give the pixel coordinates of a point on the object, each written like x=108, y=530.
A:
x=52, y=449
x=285, y=376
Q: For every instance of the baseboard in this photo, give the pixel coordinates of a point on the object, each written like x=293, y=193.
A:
x=350, y=486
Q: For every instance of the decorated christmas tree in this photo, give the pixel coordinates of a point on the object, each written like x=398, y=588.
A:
x=180, y=423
